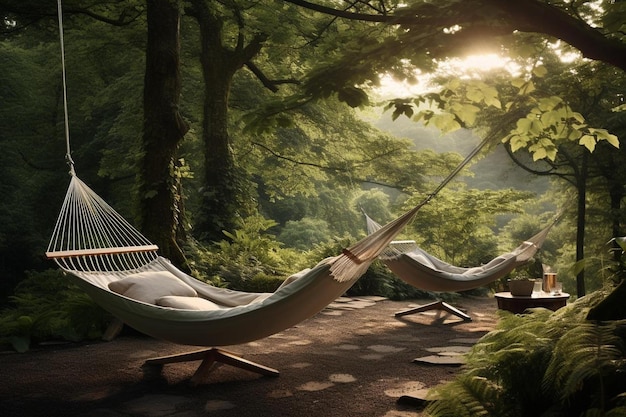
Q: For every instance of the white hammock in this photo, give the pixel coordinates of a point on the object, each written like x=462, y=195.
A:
x=98, y=247
x=424, y=271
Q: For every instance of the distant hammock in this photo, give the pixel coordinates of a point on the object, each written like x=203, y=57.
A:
x=424, y=271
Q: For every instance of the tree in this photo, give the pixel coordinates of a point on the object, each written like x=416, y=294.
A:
x=595, y=28
x=163, y=131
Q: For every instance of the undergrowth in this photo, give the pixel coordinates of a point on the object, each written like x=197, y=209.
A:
x=542, y=364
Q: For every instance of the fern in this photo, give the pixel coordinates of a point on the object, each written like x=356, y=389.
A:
x=588, y=352
x=540, y=364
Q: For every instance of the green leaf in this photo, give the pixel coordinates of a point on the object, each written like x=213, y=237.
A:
x=603, y=134
x=518, y=82
x=588, y=142
x=527, y=88
x=539, y=153
x=493, y=101
x=445, y=122
x=540, y=71
x=465, y=112
x=613, y=140
x=549, y=103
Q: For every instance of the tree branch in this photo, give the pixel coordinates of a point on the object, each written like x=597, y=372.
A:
x=531, y=16
x=272, y=85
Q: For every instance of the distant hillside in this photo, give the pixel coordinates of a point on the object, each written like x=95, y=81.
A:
x=494, y=171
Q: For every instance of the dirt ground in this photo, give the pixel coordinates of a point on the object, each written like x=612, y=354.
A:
x=355, y=358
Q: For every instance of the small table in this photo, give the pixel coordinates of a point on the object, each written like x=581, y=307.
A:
x=517, y=304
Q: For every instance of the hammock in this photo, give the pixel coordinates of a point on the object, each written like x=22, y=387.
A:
x=122, y=272
x=418, y=268
x=422, y=270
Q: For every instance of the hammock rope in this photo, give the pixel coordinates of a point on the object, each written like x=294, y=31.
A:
x=68, y=154
x=364, y=250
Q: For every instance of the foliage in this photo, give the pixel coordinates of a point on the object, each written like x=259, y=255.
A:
x=47, y=306
x=456, y=226
x=302, y=234
x=248, y=258
x=541, y=363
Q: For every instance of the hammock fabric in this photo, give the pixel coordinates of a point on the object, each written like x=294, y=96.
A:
x=422, y=270
x=121, y=270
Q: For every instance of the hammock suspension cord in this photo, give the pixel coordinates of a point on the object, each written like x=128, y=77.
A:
x=68, y=154
x=90, y=235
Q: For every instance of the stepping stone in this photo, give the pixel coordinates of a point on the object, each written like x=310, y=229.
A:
x=300, y=342
x=372, y=357
x=332, y=313
x=315, y=386
x=348, y=347
x=360, y=304
x=415, y=398
x=385, y=349
x=280, y=393
x=300, y=365
x=406, y=388
x=217, y=405
x=342, y=378
x=457, y=360
x=339, y=306
x=374, y=298
x=449, y=349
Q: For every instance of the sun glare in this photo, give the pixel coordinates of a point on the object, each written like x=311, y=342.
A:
x=473, y=64
x=469, y=67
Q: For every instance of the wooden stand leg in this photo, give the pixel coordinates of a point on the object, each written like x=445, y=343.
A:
x=437, y=305
x=114, y=329
x=211, y=359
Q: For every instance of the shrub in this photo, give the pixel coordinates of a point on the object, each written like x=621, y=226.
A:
x=47, y=306
x=542, y=363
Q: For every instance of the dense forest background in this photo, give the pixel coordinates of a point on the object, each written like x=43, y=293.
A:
x=304, y=163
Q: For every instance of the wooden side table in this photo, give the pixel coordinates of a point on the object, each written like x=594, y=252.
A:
x=517, y=304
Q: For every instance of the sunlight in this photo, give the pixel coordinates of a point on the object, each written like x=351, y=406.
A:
x=472, y=66
x=390, y=87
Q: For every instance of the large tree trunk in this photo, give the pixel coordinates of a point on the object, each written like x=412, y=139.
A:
x=222, y=196
x=164, y=128
x=219, y=194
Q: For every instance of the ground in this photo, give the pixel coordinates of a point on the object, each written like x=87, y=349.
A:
x=355, y=358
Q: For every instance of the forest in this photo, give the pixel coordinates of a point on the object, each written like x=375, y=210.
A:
x=246, y=139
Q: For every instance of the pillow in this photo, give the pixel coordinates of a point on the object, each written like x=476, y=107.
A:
x=150, y=285
x=421, y=259
x=187, y=303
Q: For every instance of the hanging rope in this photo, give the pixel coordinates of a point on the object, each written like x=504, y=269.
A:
x=68, y=154
x=89, y=234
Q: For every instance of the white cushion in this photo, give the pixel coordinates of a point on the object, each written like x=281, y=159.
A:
x=422, y=259
x=150, y=285
x=187, y=303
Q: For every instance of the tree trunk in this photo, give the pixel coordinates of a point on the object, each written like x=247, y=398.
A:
x=219, y=195
x=223, y=197
x=580, y=227
x=164, y=128
x=616, y=193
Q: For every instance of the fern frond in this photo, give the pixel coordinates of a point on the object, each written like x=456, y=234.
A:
x=589, y=350
x=468, y=396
